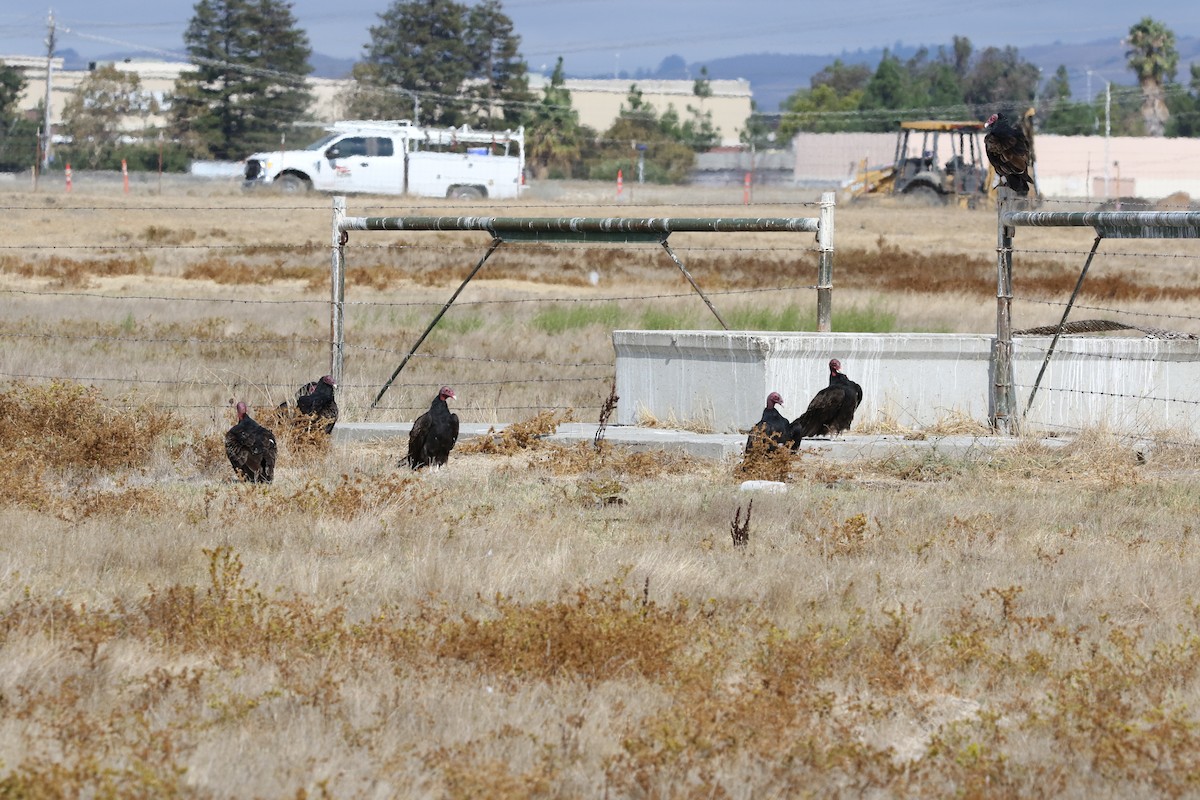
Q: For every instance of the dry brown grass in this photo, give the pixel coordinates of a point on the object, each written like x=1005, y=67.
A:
x=542, y=620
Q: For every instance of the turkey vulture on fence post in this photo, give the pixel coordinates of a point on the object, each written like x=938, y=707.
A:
x=251, y=448
x=1008, y=150
x=829, y=412
x=316, y=400
x=433, y=433
x=772, y=428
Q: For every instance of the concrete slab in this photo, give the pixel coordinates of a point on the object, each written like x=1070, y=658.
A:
x=717, y=446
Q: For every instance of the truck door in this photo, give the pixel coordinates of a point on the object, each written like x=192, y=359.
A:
x=366, y=164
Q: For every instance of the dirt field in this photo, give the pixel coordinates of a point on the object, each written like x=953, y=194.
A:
x=546, y=621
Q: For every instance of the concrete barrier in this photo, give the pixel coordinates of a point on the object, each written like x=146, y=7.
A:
x=913, y=379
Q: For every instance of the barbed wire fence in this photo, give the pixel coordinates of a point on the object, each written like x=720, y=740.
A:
x=185, y=306
x=1122, y=350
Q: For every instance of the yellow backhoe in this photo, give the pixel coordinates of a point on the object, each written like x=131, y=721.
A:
x=937, y=162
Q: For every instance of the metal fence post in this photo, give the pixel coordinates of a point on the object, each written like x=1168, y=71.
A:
x=825, y=265
x=337, y=291
x=1002, y=389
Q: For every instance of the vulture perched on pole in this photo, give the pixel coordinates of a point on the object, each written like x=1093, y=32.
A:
x=1009, y=152
x=433, y=433
x=315, y=399
x=830, y=411
x=251, y=448
x=772, y=428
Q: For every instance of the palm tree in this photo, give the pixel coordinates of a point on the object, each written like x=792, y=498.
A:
x=1153, y=58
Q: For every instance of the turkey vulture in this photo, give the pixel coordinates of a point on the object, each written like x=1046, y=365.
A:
x=829, y=412
x=1008, y=149
x=315, y=399
x=773, y=427
x=251, y=448
x=433, y=433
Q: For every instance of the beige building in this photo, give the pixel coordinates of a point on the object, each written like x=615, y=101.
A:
x=597, y=101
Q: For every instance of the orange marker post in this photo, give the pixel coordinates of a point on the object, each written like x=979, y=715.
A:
x=620, y=184
x=125, y=175
x=68, y=176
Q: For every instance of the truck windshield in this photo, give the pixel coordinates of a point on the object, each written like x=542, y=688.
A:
x=319, y=144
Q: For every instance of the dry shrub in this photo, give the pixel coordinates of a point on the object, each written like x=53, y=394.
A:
x=76, y=272
x=1094, y=456
x=301, y=436
x=65, y=425
x=347, y=498
x=595, y=634
x=168, y=234
x=134, y=500
x=762, y=463
x=647, y=419
x=224, y=271
x=526, y=434
x=584, y=457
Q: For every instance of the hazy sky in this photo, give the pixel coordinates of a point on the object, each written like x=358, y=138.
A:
x=601, y=36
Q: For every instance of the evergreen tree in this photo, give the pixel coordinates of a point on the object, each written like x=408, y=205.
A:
x=1058, y=114
x=1153, y=58
x=1000, y=80
x=18, y=136
x=248, y=88
x=499, y=79
x=554, y=138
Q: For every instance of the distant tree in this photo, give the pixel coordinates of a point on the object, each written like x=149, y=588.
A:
x=842, y=78
x=835, y=93
x=757, y=131
x=18, y=136
x=499, y=79
x=249, y=86
x=94, y=113
x=1056, y=111
x=962, y=48
x=1153, y=58
x=460, y=63
x=667, y=158
x=889, y=91
x=1184, y=104
x=12, y=84
x=1000, y=80
x=554, y=139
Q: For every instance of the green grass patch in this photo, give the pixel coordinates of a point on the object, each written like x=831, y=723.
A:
x=871, y=319
x=559, y=318
x=654, y=319
x=461, y=323
x=789, y=318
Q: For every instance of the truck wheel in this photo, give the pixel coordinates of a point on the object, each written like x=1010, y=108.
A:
x=925, y=196
x=291, y=184
x=465, y=193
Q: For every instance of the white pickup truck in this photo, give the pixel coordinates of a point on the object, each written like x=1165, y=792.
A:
x=397, y=157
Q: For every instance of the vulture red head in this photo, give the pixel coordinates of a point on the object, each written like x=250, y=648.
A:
x=835, y=366
x=774, y=399
x=991, y=120
x=446, y=393
x=329, y=380
x=241, y=410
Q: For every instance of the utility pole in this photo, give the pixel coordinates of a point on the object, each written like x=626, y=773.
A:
x=46, y=130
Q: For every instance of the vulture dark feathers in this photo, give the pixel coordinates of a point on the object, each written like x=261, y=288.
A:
x=772, y=428
x=433, y=433
x=830, y=411
x=251, y=448
x=1009, y=152
x=316, y=400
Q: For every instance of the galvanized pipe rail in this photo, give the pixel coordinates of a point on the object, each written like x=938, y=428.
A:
x=569, y=229
x=1108, y=225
